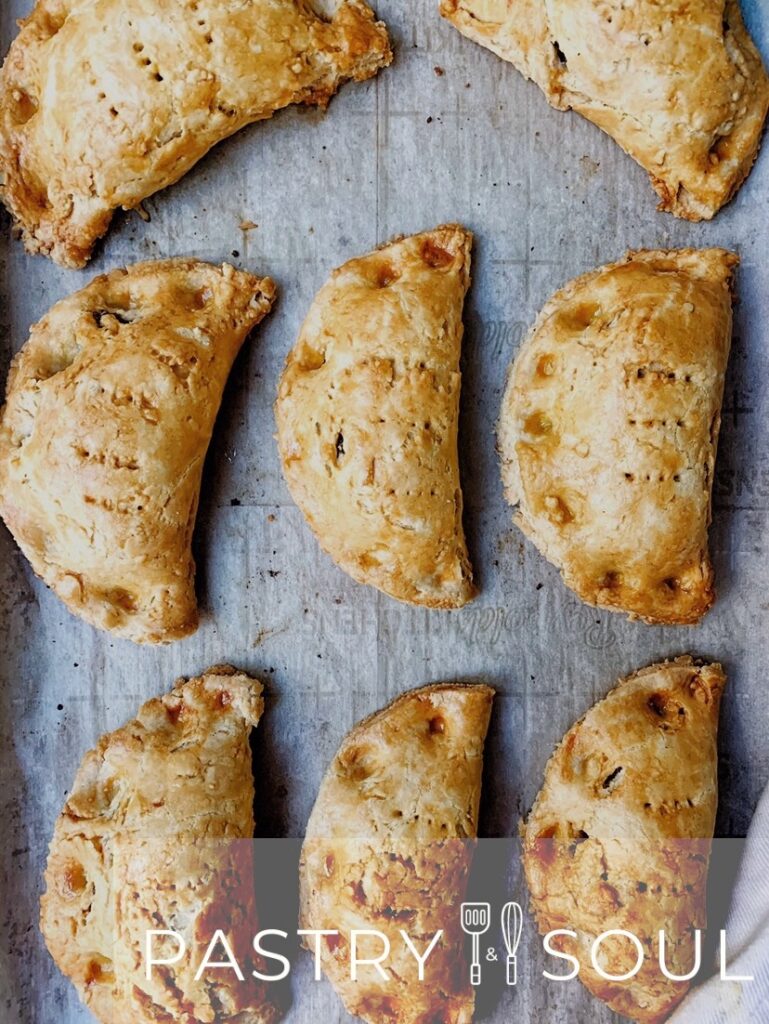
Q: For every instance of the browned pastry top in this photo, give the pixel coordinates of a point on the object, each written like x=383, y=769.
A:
x=680, y=86
x=422, y=755
x=109, y=412
x=104, y=102
x=609, y=427
x=389, y=847
x=156, y=834
x=619, y=836
x=367, y=415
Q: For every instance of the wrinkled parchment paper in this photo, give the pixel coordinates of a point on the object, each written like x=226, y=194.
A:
x=449, y=132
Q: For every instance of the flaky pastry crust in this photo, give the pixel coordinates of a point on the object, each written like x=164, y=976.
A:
x=156, y=834
x=620, y=834
x=388, y=847
x=109, y=411
x=105, y=102
x=609, y=428
x=367, y=415
x=681, y=88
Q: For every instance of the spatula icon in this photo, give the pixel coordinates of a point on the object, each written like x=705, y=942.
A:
x=476, y=918
x=512, y=926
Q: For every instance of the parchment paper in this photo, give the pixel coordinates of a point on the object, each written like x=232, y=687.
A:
x=549, y=197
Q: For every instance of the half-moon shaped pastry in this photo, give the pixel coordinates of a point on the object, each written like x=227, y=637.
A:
x=682, y=90
x=105, y=102
x=609, y=427
x=109, y=412
x=620, y=834
x=387, y=849
x=156, y=834
x=367, y=415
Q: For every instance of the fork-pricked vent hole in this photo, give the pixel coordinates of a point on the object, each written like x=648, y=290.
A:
x=612, y=779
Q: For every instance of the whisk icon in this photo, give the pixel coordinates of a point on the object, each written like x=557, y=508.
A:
x=512, y=926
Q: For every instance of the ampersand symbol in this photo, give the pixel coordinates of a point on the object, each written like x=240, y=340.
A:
x=491, y=955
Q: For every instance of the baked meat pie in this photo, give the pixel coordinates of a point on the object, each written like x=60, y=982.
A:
x=105, y=102
x=389, y=846
x=681, y=88
x=156, y=835
x=368, y=411
x=109, y=412
x=620, y=835
x=609, y=428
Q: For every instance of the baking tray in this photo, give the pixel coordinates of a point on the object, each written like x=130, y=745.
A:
x=449, y=132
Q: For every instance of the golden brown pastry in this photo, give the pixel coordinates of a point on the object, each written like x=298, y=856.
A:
x=387, y=849
x=156, y=834
x=681, y=89
x=620, y=834
x=609, y=428
x=367, y=415
x=109, y=412
x=104, y=102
